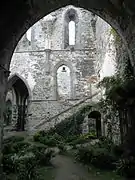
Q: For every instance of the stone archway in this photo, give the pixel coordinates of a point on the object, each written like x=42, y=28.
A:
x=20, y=103
x=18, y=16
x=15, y=24
x=34, y=10
x=94, y=120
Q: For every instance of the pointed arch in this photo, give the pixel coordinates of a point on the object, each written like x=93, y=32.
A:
x=22, y=96
x=71, y=16
x=13, y=78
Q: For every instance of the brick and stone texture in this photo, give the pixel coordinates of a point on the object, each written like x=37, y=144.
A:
x=39, y=58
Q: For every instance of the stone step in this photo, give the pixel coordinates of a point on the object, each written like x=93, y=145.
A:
x=51, y=122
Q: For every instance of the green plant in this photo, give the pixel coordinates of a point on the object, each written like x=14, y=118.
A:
x=84, y=155
x=62, y=148
x=13, y=139
x=118, y=150
x=103, y=159
x=7, y=162
x=100, y=155
x=8, y=148
x=43, y=156
x=49, y=141
x=25, y=166
x=70, y=138
x=126, y=167
x=20, y=146
x=72, y=125
x=15, y=147
x=42, y=153
x=36, y=136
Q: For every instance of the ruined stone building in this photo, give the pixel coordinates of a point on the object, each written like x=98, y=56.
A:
x=57, y=64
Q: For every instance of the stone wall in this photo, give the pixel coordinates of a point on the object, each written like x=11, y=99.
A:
x=38, y=58
x=40, y=54
x=106, y=49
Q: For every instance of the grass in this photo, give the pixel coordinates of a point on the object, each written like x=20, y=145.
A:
x=104, y=175
x=97, y=173
x=47, y=173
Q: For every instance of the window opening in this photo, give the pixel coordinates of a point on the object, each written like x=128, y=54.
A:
x=28, y=34
x=72, y=33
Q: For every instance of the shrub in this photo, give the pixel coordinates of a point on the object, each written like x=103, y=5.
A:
x=16, y=147
x=42, y=153
x=62, y=148
x=58, y=137
x=36, y=147
x=106, y=143
x=8, y=148
x=103, y=159
x=25, y=166
x=8, y=165
x=96, y=155
x=13, y=139
x=84, y=155
x=10, y=143
x=118, y=150
x=49, y=141
x=43, y=157
x=78, y=141
x=81, y=139
x=71, y=138
x=20, y=146
x=126, y=167
x=36, y=136
x=24, y=163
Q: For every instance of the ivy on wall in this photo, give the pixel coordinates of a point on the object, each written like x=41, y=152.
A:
x=72, y=125
x=117, y=38
x=118, y=104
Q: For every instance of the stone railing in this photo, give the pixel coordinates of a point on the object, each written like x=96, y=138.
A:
x=52, y=121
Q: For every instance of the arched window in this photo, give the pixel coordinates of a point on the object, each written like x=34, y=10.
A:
x=71, y=27
x=64, y=82
x=28, y=34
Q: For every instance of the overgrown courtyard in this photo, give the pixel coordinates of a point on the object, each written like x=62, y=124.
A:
x=49, y=157
x=70, y=120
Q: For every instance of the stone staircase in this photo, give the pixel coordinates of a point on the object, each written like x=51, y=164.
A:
x=46, y=124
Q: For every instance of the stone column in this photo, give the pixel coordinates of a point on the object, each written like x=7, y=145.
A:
x=14, y=115
x=48, y=51
x=4, y=73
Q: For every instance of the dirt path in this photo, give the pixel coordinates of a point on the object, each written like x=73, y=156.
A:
x=67, y=169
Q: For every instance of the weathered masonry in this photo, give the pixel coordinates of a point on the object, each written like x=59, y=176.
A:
x=56, y=64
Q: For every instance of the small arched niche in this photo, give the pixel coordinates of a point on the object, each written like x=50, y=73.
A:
x=64, y=82
x=94, y=122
